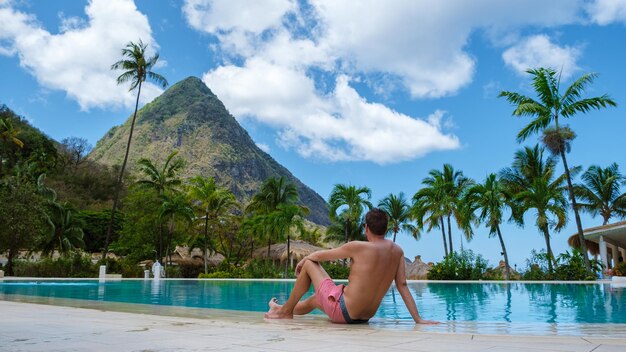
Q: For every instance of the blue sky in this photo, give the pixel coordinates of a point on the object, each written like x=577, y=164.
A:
x=373, y=93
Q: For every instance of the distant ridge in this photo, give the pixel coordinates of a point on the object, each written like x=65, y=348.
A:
x=189, y=118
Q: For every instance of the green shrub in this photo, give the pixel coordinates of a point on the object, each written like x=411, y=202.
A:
x=620, y=270
x=537, y=267
x=190, y=268
x=263, y=269
x=336, y=271
x=127, y=267
x=74, y=265
x=172, y=272
x=463, y=266
x=572, y=266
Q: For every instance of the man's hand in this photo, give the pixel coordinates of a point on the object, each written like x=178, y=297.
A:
x=301, y=264
x=427, y=322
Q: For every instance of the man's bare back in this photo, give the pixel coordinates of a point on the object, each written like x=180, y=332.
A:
x=374, y=266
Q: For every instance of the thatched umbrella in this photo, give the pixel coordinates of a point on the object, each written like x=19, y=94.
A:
x=592, y=247
x=418, y=270
x=278, y=252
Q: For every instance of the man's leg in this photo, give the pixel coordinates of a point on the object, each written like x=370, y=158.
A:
x=306, y=306
x=311, y=273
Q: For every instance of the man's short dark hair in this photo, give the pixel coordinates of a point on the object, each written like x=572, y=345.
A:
x=376, y=221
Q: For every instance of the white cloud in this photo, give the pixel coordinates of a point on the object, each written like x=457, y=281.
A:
x=604, y=12
x=539, y=51
x=338, y=126
x=416, y=46
x=78, y=60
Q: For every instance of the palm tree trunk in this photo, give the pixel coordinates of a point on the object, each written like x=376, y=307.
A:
x=288, y=255
x=443, y=235
x=10, y=261
x=118, y=187
x=206, y=242
x=579, y=226
x=546, y=235
x=506, y=256
x=346, y=230
x=394, y=236
x=450, y=235
x=269, y=244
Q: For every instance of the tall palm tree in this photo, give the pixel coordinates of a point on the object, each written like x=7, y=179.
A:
x=552, y=105
x=137, y=69
x=428, y=209
x=173, y=209
x=274, y=192
x=491, y=199
x=399, y=212
x=534, y=185
x=163, y=180
x=600, y=192
x=213, y=202
x=65, y=230
x=354, y=199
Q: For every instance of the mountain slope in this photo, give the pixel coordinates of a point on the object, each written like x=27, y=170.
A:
x=189, y=118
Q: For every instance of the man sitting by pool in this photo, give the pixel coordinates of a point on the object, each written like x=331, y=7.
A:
x=374, y=265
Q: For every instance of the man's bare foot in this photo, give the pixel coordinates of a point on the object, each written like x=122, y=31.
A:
x=275, y=311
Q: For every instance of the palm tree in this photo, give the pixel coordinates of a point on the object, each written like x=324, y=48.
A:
x=491, y=199
x=162, y=180
x=354, y=199
x=136, y=71
x=533, y=184
x=286, y=217
x=600, y=192
x=399, y=212
x=428, y=209
x=452, y=186
x=9, y=133
x=66, y=231
x=274, y=192
x=173, y=209
x=213, y=201
x=551, y=106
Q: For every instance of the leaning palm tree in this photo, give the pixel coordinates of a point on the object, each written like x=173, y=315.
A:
x=534, y=186
x=491, y=199
x=353, y=200
x=213, y=201
x=546, y=112
x=137, y=69
x=600, y=192
x=399, y=213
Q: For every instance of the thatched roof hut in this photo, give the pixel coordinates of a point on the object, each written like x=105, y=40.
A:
x=278, y=252
x=592, y=247
x=418, y=270
x=182, y=254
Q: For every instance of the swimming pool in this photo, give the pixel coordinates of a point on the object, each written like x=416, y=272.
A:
x=531, y=307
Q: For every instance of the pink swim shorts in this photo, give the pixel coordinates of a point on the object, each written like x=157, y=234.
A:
x=328, y=295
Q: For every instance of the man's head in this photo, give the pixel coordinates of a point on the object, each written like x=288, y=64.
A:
x=376, y=222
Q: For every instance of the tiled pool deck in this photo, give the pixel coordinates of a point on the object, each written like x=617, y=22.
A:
x=42, y=327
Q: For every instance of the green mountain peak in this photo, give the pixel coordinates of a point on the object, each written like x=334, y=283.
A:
x=189, y=118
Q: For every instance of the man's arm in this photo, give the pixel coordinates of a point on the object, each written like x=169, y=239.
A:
x=344, y=251
x=406, y=294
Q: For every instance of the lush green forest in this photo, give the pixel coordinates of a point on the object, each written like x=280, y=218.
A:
x=56, y=199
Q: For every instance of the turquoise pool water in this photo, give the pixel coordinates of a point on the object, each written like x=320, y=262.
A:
x=462, y=302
